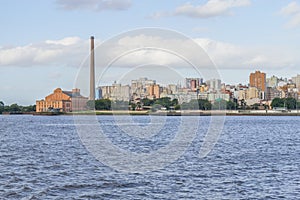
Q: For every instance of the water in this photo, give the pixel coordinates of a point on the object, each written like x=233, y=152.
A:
x=255, y=158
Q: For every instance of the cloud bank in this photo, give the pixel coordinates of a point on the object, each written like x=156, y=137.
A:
x=72, y=51
x=67, y=51
x=292, y=10
x=94, y=5
x=211, y=8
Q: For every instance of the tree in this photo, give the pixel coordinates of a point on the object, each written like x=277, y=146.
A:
x=1, y=107
x=30, y=108
x=147, y=102
x=14, y=108
x=231, y=105
x=204, y=104
x=277, y=102
x=196, y=104
x=289, y=103
x=207, y=105
x=103, y=104
x=165, y=102
x=219, y=104
x=100, y=104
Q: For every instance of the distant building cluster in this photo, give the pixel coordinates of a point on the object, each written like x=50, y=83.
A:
x=260, y=90
x=194, y=88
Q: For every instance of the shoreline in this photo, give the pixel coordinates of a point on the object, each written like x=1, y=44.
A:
x=171, y=113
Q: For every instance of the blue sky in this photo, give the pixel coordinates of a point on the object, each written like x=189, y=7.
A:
x=44, y=43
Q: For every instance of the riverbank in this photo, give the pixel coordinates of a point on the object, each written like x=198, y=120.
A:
x=168, y=113
x=194, y=113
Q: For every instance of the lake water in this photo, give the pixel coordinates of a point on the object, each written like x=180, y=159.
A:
x=42, y=157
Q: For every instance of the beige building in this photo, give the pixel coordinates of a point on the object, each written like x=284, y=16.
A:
x=62, y=101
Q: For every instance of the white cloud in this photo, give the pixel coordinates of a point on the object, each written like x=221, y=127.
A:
x=67, y=51
x=65, y=41
x=72, y=51
x=94, y=5
x=292, y=10
x=211, y=8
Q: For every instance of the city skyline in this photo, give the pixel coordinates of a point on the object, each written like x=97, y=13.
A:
x=44, y=44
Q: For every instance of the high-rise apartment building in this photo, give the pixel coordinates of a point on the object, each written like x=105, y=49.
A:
x=296, y=80
x=258, y=80
x=214, y=85
x=272, y=82
x=153, y=91
x=193, y=83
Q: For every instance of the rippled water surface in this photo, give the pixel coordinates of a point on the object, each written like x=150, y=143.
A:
x=255, y=158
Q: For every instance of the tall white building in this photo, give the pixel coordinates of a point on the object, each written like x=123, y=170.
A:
x=272, y=81
x=116, y=92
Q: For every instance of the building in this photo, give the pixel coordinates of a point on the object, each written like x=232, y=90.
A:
x=258, y=80
x=193, y=83
x=212, y=97
x=296, y=80
x=153, y=91
x=120, y=92
x=139, y=88
x=62, y=101
x=272, y=93
x=272, y=82
x=214, y=85
x=104, y=92
x=116, y=92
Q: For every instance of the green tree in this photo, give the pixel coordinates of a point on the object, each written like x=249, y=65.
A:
x=177, y=107
x=165, y=102
x=219, y=104
x=15, y=108
x=147, y=102
x=289, y=103
x=207, y=105
x=174, y=102
x=103, y=104
x=231, y=105
x=277, y=102
x=132, y=106
x=204, y=104
x=30, y=108
x=1, y=107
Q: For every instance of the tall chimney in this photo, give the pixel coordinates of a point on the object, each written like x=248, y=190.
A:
x=92, y=71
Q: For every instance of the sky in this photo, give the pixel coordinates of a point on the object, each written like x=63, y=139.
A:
x=45, y=44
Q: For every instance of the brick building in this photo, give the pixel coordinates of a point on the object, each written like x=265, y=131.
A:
x=62, y=101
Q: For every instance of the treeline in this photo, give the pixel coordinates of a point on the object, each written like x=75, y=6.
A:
x=162, y=103
x=106, y=104
x=195, y=104
x=15, y=108
x=288, y=103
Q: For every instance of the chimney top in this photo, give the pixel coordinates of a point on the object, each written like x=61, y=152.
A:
x=92, y=37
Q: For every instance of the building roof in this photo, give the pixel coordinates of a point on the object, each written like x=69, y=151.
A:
x=73, y=94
